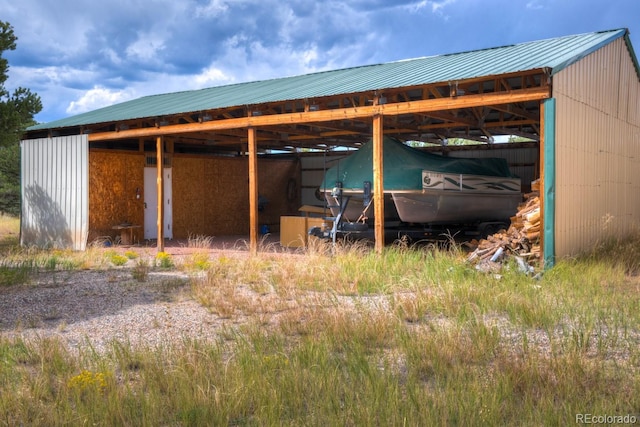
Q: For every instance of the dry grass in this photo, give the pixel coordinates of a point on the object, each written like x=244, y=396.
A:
x=9, y=232
x=342, y=335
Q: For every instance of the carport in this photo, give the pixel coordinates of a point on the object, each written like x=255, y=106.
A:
x=476, y=95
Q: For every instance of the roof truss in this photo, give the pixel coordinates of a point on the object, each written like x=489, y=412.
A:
x=474, y=109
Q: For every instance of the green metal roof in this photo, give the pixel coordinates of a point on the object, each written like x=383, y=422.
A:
x=554, y=54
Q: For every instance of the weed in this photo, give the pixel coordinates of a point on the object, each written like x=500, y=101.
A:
x=140, y=272
x=168, y=287
x=9, y=232
x=200, y=241
x=198, y=262
x=87, y=380
x=164, y=260
x=119, y=260
x=14, y=275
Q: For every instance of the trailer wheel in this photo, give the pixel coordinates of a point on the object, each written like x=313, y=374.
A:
x=354, y=226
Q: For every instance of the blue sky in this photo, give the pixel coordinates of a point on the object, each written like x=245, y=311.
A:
x=79, y=55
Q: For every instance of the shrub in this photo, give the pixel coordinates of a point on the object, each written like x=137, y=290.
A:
x=164, y=260
x=119, y=260
x=141, y=271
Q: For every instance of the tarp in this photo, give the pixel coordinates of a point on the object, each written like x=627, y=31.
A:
x=403, y=167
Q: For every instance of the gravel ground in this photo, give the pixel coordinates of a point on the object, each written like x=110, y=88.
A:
x=95, y=307
x=100, y=306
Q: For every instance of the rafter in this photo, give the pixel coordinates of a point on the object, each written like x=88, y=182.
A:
x=424, y=106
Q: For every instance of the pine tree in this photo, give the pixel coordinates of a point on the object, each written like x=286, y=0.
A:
x=16, y=114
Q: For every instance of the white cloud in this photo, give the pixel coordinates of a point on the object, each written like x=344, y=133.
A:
x=534, y=5
x=49, y=77
x=211, y=76
x=309, y=56
x=146, y=47
x=95, y=98
x=211, y=10
x=112, y=55
x=247, y=61
x=435, y=6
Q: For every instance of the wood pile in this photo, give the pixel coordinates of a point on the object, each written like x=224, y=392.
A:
x=522, y=239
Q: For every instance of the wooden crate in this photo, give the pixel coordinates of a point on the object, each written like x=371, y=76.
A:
x=294, y=230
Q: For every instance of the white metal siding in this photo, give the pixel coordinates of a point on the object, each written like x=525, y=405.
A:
x=55, y=192
x=597, y=149
x=313, y=169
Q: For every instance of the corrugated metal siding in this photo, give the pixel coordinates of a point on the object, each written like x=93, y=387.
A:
x=313, y=169
x=55, y=187
x=554, y=54
x=597, y=149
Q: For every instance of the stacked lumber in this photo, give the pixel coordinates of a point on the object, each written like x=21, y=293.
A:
x=522, y=239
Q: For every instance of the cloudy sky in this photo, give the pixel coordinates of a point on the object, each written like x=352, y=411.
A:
x=79, y=55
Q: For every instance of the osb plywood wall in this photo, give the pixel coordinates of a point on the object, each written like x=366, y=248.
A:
x=114, y=178
x=279, y=182
x=211, y=195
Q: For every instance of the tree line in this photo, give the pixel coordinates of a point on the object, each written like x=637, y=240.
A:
x=17, y=111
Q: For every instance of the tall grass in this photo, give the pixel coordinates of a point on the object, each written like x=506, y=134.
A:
x=412, y=336
x=9, y=232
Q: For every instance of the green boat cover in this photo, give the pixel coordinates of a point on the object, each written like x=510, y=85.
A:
x=403, y=167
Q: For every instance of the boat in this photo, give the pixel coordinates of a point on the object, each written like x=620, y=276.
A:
x=422, y=187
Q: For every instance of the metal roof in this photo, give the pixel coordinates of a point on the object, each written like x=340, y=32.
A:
x=554, y=54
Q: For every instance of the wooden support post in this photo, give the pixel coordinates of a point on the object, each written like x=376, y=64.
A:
x=160, y=186
x=253, y=190
x=378, y=183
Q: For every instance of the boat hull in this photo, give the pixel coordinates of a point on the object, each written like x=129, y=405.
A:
x=444, y=199
x=459, y=198
x=435, y=207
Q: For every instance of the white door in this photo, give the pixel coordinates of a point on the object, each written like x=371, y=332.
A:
x=151, y=203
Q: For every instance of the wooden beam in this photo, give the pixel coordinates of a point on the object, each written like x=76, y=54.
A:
x=160, y=190
x=253, y=190
x=413, y=107
x=378, y=182
x=516, y=111
x=451, y=118
x=425, y=127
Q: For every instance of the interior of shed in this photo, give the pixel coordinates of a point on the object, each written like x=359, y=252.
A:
x=216, y=191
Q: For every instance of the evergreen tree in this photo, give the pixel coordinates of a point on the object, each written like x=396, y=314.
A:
x=16, y=114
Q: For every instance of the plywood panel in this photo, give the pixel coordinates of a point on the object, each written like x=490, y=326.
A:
x=211, y=194
x=188, y=205
x=279, y=183
x=116, y=178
